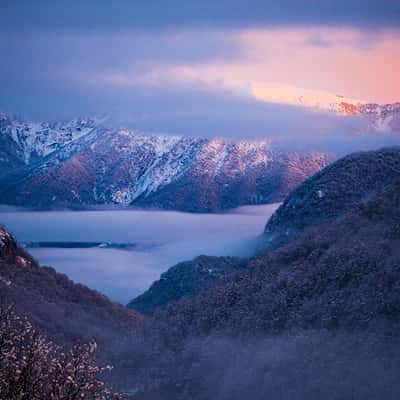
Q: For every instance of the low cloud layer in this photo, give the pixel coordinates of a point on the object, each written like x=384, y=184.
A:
x=164, y=238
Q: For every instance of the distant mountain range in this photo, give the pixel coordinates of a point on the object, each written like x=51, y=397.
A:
x=376, y=117
x=81, y=163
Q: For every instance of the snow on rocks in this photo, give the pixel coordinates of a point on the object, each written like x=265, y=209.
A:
x=39, y=139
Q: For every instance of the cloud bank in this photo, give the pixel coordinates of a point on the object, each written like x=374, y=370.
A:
x=157, y=14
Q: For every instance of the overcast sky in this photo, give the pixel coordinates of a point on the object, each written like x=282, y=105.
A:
x=195, y=67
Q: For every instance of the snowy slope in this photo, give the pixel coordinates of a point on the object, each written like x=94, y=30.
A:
x=36, y=140
x=79, y=163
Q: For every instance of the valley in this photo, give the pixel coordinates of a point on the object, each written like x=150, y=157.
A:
x=120, y=253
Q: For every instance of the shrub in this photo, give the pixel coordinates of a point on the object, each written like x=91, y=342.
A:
x=34, y=368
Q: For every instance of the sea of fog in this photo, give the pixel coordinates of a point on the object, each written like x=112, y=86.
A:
x=120, y=253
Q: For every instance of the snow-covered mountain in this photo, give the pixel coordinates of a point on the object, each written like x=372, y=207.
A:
x=374, y=117
x=381, y=118
x=80, y=163
x=34, y=141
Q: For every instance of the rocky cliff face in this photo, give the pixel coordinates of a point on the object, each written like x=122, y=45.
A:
x=33, y=141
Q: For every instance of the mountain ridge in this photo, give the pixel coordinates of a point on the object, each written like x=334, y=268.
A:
x=378, y=117
x=108, y=166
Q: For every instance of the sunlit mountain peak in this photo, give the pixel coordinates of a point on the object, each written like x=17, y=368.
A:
x=316, y=99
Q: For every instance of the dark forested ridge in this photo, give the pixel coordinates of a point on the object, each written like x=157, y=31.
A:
x=332, y=192
x=61, y=308
x=185, y=279
x=344, y=274
x=315, y=318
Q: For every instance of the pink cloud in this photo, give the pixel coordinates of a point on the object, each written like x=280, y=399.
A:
x=354, y=63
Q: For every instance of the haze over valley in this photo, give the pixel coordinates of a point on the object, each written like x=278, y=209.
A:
x=120, y=253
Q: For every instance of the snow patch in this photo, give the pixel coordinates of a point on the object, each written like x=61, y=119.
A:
x=5, y=237
x=122, y=196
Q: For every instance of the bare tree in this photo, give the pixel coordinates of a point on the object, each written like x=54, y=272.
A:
x=33, y=368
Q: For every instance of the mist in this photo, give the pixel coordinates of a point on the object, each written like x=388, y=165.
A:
x=302, y=365
x=157, y=239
